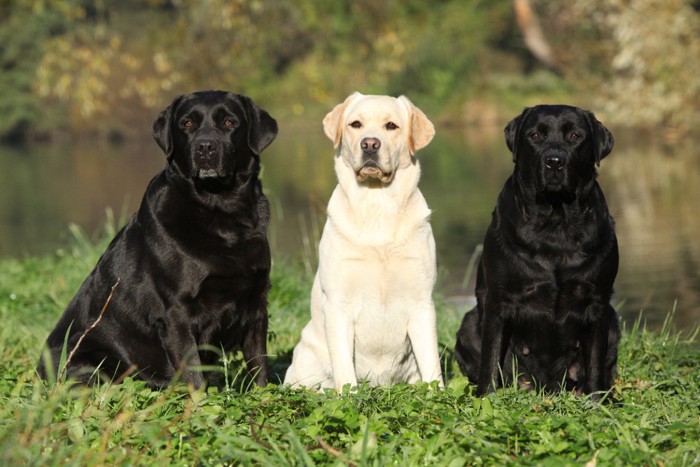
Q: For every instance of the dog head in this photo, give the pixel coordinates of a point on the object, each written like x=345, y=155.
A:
x=377, y=135
x=213, y=137
x=556, y=148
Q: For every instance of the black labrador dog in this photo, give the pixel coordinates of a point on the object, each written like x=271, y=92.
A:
x=191, y=267
x=550, y=258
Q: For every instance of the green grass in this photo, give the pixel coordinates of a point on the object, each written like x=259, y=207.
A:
x=657, y=419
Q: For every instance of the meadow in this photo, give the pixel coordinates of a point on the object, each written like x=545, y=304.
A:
x=651, y=417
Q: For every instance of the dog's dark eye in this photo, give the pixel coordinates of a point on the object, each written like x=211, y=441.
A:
x=391, y=126
x=536, y=136
x=186, y=123
x=230, y=122
x=575, y=136
x=356, y=124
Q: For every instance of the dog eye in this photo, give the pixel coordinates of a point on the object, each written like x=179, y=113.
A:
x=391, y=126
x=186, y=123
x=230, y=122
x=575, y=136
x=536, y=136
x=356, y=124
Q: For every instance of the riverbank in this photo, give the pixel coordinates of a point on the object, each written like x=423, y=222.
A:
x=656, y=419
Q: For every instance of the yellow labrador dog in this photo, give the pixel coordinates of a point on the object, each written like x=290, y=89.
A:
x=372, y=312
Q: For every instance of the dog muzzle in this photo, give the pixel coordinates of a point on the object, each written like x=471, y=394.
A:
x=208, y=159
x=371, y=170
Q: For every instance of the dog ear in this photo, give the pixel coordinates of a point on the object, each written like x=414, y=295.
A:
x=421, y=130
x=333, y=121
x=162, y=127
x=262, y=128
x=601, y=137
x=512, y=132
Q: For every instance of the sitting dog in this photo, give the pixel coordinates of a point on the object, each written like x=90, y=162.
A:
x=550, y=258
x=192, y=265
x=372, y=312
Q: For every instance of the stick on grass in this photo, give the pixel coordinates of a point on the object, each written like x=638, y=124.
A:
x=85, y=333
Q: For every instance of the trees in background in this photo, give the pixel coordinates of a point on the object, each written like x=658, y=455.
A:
x=638, y=60
x=108, y=67
x=22, y=31
x=654, y=61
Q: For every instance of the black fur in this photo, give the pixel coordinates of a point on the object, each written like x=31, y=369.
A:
x=550, y=258
x=192, y=264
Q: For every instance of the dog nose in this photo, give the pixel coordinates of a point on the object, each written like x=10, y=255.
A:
x=206, y=146
x=554, y=162
x=370, y=145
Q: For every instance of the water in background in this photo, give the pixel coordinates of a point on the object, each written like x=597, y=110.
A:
x=652, y=189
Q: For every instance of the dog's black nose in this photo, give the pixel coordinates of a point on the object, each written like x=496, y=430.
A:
x=554, y=162
x=206, y=146
x=370, y=145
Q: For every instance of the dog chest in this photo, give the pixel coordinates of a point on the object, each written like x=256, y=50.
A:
x=554, y=301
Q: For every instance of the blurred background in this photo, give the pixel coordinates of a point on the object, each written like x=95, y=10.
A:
x=82, y=80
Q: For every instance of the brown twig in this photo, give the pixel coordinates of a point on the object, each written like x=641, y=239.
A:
x=90, y=328
x=330, y=449
x=252, y=424
x=322, y=444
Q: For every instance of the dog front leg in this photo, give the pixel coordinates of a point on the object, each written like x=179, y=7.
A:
x=595, y=352
x=611, y=353
x=255, y=350
x=340, y=338
x=495, y=338
x=181, y=349
x=422, y=332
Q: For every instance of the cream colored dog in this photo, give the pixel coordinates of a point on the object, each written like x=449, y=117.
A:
x=372, y=312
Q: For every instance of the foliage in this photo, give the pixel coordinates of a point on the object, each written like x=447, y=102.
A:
x=108, y=67
x=24, y=26
x=639, y=59
x=115, y=64
x=653, y=421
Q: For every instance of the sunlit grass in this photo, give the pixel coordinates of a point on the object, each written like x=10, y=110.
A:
x=655, y=420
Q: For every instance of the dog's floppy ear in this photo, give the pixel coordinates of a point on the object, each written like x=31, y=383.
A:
x=162, y=127
x=262, y=128
x=512, y=132
x=601, y=137
x=421, y=130
x=333, y=121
